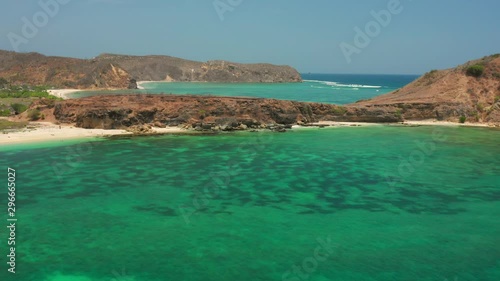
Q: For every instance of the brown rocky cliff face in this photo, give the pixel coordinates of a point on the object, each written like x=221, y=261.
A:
x=225, y=113
x=36, y=69
x=161, y=68
x=447, y=95
x=116, y=71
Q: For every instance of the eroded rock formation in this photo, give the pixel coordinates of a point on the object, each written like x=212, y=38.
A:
x=200, y=112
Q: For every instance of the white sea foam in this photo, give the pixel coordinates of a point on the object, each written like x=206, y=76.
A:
x=339, y=85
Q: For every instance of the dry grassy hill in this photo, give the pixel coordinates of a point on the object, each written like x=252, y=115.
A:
x=470, y=91
x=118, y=71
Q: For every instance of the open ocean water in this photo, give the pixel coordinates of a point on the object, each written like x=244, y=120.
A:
x=381, y=203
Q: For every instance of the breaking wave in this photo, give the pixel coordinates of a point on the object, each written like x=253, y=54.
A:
x=339, y=85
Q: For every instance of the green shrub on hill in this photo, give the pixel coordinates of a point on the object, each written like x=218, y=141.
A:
x=25, y=92
x=5, y=112
x=3, y=82
x=432, y=72
x=339, y=110
x=34, y=114
x=19, y=107
x=9, y=125
x=399, y=114
x=475, y=70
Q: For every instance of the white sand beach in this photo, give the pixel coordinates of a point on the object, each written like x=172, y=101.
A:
x=140, y=85
x=448, y=123
x=44, y=131
x=342, y=124
x=62, y=93
x=430, y=122
x=47, y=132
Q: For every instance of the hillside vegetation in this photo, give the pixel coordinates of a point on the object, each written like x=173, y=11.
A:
x=467, y=93
x=15, y=100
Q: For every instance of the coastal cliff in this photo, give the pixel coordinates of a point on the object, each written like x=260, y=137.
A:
x=227, y=113
x=201, y=113
x=467, y=93
x=122, y=72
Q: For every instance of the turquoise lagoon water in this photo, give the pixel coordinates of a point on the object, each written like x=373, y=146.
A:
x=325, y=88
x=370, y=203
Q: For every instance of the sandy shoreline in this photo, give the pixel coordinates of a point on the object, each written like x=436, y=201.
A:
x=140, y=84
x=65, y=93
x=448, y=123
x=62, y=93
x=405, y=123
x=47, y=132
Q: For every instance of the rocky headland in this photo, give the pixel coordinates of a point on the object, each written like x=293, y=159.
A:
x=467, y=93
x=109, y=71
x=201, y=113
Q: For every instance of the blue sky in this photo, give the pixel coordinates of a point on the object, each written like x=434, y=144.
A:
x=307, y=35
